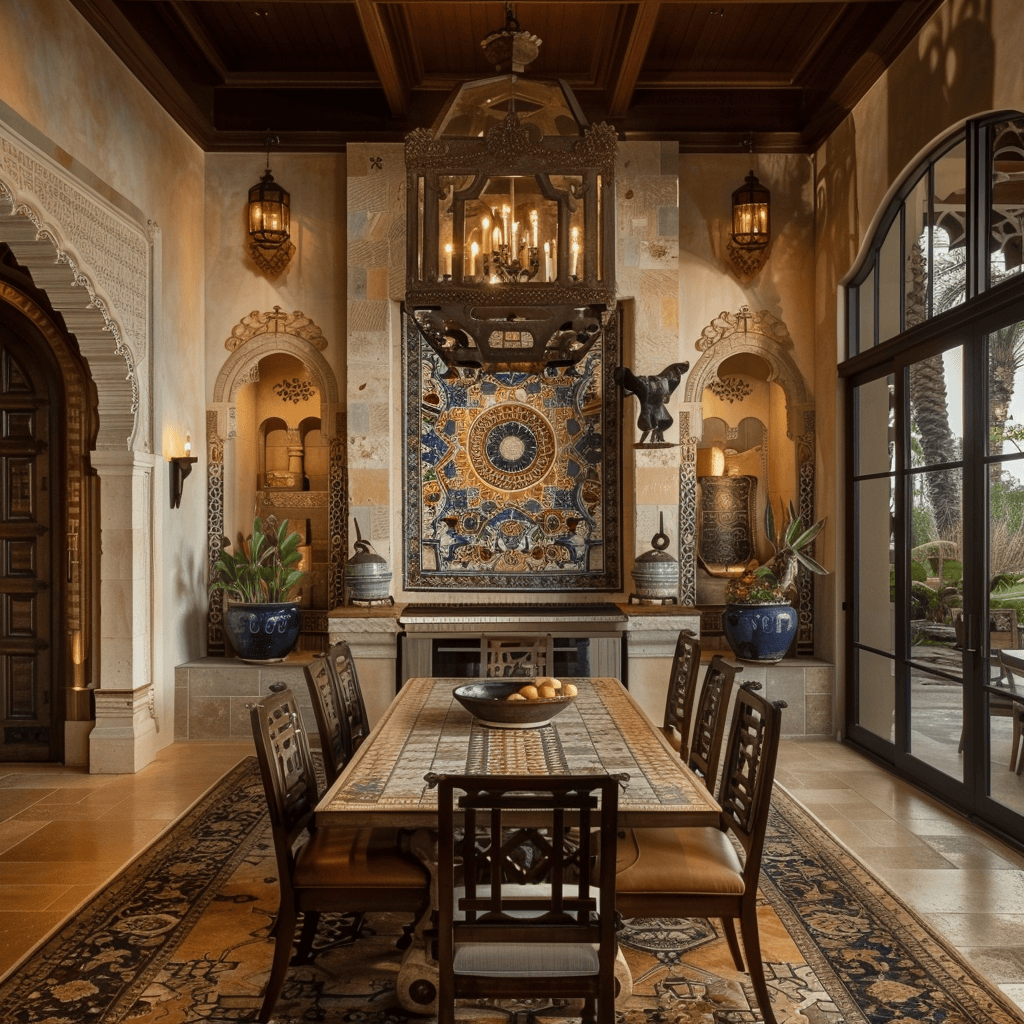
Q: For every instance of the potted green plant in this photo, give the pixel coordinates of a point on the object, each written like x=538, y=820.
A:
x=258, y=578
x=759, y=620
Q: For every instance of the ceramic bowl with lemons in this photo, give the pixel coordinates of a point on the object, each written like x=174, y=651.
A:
x=516, y=703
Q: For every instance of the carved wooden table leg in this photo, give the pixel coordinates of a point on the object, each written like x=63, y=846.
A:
x=416, y=985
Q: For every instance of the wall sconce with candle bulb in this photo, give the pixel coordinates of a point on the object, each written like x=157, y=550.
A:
x=180, y=467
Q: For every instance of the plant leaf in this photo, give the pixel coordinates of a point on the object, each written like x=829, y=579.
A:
x=809, y=563
x=809, y=534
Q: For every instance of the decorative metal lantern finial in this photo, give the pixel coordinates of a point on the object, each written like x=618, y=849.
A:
x=269, y=213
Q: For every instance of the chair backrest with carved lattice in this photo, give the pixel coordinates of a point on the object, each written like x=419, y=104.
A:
x=709, y=721
x=350, y=695
x=518, y=656
x=682, y=689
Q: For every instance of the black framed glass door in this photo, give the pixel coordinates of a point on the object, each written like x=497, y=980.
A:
x=937, y=518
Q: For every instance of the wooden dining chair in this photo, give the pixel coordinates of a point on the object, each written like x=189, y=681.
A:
x=682, y=689
x=698, y=872
x=331, y=722
x=709, y=726
x=346, y=679
x=341, y=870
x=518, y=656
x=1012, y=705
x=516, y=915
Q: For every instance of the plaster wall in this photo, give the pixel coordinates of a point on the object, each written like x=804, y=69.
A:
x=65, y=93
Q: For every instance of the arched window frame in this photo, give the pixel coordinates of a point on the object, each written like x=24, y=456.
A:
x=864, y=299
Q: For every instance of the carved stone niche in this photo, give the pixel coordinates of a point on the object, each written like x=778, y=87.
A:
x=747, y=430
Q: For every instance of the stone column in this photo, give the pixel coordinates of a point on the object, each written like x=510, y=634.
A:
x=647, y=258
x=376, y=286
x=124, y=739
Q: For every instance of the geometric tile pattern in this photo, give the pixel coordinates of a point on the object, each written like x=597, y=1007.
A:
x=512, y=480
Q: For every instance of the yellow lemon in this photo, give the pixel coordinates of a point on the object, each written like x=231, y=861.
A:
x=547, y=692
x=569, y=690
x=529, y=692
x=515, y=696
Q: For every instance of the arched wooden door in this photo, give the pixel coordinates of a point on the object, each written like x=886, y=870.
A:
x=31, y=527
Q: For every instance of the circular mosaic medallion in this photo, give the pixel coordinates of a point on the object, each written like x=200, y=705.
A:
x=511, y=446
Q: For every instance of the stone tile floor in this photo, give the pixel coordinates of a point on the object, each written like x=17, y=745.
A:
x=64, y=834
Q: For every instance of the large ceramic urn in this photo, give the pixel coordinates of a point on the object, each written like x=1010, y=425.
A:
x=759, y=632
x=265, y=632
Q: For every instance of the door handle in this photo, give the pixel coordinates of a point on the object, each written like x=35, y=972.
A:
x=971, y=633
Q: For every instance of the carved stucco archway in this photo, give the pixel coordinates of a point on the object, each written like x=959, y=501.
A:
x=93, y=260
x=763, y=335
x=253, y=338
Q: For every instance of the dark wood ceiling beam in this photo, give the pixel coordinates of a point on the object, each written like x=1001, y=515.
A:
x=716, y=80
x=301, y=80
x=199, y=39
x=382, y=46
x=632, y=60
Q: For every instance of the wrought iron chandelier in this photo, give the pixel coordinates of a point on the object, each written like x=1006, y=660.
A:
x=511, y=256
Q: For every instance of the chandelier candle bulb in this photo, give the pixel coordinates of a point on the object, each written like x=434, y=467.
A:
x=473, y=250
x=533, y=226
x=448, y=260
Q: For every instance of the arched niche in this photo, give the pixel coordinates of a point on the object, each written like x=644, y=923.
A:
x=276, y=405
x=746, y=360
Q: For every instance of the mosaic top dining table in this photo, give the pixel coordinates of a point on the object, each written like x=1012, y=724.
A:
x=425, y=730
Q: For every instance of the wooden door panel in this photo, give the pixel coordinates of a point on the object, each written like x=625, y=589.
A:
x=27, y=629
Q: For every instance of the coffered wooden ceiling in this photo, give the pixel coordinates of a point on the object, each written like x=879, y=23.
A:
x=713, y=75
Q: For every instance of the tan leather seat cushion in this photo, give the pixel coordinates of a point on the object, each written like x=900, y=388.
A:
x=355, y=858
x=678, y=860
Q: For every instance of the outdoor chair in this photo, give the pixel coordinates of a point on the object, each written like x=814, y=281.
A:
x=682, y=689
x=516, y=914
x=1013, y=706
x=350, y=694
x=698, y=872
x=345, y=870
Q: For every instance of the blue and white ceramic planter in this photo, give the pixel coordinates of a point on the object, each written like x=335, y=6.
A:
x=263, y=632
x=759, y=632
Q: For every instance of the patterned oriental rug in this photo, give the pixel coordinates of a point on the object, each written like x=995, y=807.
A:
x=183, y=936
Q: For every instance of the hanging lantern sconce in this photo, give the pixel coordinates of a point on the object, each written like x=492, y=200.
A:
x=750, y=215
x=751, y=227
x=269, y=215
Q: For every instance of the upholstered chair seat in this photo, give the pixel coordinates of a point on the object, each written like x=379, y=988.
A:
x=674, y=860
x=357, y=858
